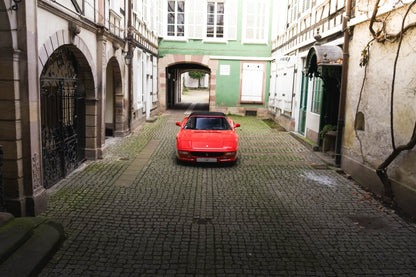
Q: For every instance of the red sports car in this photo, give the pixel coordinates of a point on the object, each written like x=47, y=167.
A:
x=207, y=137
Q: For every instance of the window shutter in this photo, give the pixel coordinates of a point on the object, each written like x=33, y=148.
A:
x=195, y=10
x=252, y=86
x=162, y=18
x=231, y=13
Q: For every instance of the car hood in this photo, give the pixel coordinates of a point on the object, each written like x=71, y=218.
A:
x=207, y=139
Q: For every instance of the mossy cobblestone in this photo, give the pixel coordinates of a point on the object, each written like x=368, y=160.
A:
x=272, y=214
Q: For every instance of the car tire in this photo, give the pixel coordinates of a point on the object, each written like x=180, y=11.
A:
x=179, y=162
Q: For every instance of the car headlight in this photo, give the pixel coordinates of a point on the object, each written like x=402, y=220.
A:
x=230, y=153
x=183, y=152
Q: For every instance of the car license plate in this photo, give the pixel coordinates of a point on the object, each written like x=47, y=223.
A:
x=206, y=160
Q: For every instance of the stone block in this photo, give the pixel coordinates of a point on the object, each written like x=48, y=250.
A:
x=91, y=120
x=11, y=130
x=90, y=109
x=9, y=110
x=7, y=90
x=12, y=168
x=12, y=149
x=90, y=143
x=13, y=187
x=6, y=69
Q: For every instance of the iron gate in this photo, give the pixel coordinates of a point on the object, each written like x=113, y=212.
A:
x=62, y=117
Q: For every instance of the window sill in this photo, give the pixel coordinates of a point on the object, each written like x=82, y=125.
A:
x=214, y=40
x=260, y=42
x=179, y=39
x=251, y=102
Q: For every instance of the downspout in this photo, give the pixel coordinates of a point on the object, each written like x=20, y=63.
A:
x=129, y=66
x=344, y=81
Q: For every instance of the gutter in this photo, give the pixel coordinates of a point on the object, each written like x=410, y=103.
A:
x=344, y=81
x=129, y=66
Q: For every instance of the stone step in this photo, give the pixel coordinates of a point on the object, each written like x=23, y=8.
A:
x=27, y=244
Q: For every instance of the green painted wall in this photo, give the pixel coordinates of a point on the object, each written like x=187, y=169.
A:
x=197, y=47
x=228, y=87
x=231, y=48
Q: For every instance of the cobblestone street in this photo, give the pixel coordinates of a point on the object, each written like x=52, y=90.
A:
x=277, y=212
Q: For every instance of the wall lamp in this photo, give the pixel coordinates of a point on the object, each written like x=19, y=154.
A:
x=127, y=57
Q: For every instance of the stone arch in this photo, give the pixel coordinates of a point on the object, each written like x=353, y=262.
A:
x=174, y=81
x=87, y=73
x=174, y=64
x=73, y=88
x=61, y=38
x=113, y=112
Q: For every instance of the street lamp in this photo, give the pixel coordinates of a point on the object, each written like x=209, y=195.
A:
x=127, y=58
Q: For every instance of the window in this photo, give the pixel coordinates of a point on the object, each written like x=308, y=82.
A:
x=146, y=16
x=115, y=5
x=292, y=11
x=255, y=22
x=317, y=95
x=306, y=5
x=176, y=18
x=215, y=20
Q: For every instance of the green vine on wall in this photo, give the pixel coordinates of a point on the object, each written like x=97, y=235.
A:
x=381, y=36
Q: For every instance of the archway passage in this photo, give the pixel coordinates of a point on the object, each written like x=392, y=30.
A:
x=325, y=62
x=113, y=99
x=181, y=97
x=62, y=116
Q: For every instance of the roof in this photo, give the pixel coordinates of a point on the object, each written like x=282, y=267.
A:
x=207, y=113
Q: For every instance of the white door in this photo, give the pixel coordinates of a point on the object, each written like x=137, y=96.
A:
x=252, y=84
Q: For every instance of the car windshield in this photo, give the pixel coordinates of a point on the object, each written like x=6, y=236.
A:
x=207, y=123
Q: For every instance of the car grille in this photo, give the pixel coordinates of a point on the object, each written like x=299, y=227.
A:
x=207, y=154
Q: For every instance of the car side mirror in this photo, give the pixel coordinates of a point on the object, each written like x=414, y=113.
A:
x=237, y=125
x=179, y=124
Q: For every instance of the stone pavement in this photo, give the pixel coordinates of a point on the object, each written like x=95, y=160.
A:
x=277, y=212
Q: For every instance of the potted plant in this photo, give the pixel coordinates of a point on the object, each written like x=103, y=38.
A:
x=328, y=135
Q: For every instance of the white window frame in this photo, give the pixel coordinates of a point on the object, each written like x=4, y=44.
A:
x=146, y=11
x=259, y=28
x=176, y=19
x=215, y=38
x=115, y=6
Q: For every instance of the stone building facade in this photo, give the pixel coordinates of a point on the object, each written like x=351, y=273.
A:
x=215, y=38
x=306, y=68
x=317, y=80
x=69, y=74
x=378, y=118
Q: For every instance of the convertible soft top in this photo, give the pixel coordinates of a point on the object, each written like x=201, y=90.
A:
x=207, y=113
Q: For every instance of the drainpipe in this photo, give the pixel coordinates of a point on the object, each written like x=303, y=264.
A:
x=129, y=66
x=344, y=80
x=146, y=89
